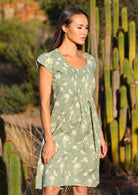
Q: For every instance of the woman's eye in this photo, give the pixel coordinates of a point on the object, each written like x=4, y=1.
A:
x=79, y=27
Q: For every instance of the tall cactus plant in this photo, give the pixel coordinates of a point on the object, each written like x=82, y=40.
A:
x=124, y=19
x=8, y=148
x=134, y=134
x=97, y=24
x=136, y=77
x=114, y=141
x=120, y=75
x=115, y=17
x=127, y=156
x=122, y=128
x=132, y=43
x=108, y=33
x=94, y=46
x=126, y=70
x=109, y=111
x=14, y=174
x=116, y=81
x=121, y=50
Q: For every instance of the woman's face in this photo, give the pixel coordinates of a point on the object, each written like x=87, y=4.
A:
x=77, y=30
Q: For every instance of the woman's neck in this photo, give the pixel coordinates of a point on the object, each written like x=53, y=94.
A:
x=68, y=48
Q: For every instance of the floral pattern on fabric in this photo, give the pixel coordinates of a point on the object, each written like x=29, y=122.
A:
x=75, y=125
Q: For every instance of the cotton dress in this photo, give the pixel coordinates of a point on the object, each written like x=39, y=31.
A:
x=74, y=123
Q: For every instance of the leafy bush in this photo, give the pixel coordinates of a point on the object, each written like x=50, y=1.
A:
x=16, y=98
x=20, y=45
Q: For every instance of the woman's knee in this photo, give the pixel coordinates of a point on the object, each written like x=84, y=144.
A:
x=50, y=190
x=80, y=189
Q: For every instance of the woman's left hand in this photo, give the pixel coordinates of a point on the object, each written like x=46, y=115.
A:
x=103, y=147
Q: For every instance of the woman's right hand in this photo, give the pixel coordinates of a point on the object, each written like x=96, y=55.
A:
x=48, y=151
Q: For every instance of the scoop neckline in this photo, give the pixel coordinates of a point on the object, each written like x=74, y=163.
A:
x=70, y=64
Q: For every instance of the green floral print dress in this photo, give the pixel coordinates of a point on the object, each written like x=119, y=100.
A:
x=74, y=123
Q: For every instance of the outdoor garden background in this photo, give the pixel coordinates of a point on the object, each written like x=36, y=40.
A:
x=26, y=29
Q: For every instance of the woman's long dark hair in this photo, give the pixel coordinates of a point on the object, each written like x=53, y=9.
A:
x=64, y=18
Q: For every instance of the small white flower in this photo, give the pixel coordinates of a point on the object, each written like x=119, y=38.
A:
x=88, y=61
x=82, y=152
x=74, y=132
x=58, y=76
x=89, y=181
x=52, y=179
x=75, y=147
x=75, y=160
x=48, y=61
x=57, y=103
x=85, y=159
x=76, y=167
x=55, y=173
x=77, y=105
x=93, y=177
x=85, y=173
x=76, y=180
x=59, y=160
x=65, y=84
x=57, y=63
x=70, y=91
x=61, y=167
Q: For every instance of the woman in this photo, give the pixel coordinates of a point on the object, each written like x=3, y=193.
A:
x=73, y=141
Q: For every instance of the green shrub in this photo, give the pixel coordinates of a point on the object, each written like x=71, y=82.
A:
x=16, y=98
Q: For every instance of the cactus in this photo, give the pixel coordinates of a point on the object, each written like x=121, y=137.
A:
x=89, y=44
x=114, y=141
x=94, y=47
x=107, y=76
x=115, y=17
x=136, y=77
x=126, y=71
x=121, y=77
x=108, y=33
x=121, y=50
x=103, y=50
x=14, y=174
x=136, y=163
x=137, y=93
x=122, y=127
x=123, y=100
x=115, y=58
x=130, y=78
x=97, y=24
x=25, y=171
x=136, y=68
x=133, y=95
x=8, y=147
x=116, y=81
x=134, y=134
x=132, y=43
x=123, y=104
x=109, y=111
x=124, y=19
x=127, y=156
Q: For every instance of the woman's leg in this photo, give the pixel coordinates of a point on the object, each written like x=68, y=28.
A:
x=80, y=190
x=51, y=190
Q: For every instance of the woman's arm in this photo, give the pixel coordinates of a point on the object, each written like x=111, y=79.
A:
x=45, y=81
x=103, y=151
x=103, y=146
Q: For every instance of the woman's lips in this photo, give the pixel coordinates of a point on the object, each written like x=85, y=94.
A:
x=83, y=38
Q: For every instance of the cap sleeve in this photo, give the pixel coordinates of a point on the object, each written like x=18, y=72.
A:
x=45, y=60
x=93, y=63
